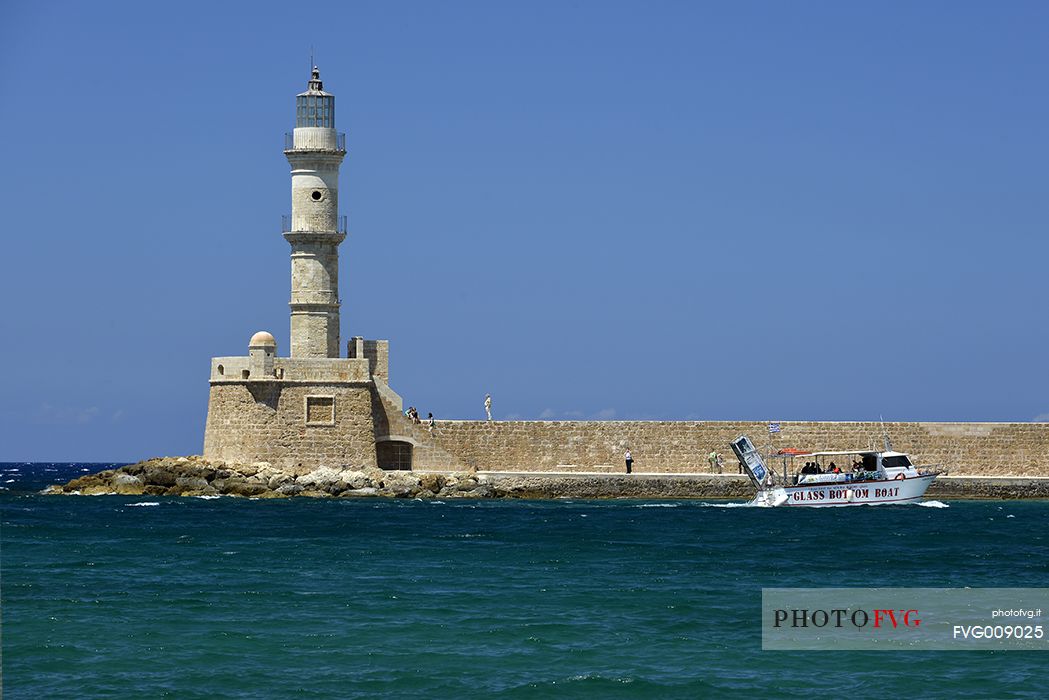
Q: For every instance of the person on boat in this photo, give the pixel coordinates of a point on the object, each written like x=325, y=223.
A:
x=834, y=468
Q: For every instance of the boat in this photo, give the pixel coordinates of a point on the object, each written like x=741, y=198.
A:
x=871, y=478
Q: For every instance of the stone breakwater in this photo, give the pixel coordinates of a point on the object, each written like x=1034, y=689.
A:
x=194, y=476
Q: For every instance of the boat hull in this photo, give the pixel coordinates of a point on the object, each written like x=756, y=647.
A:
x=858, y=493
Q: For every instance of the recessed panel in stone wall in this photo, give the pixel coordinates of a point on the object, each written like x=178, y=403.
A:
x=320, y=410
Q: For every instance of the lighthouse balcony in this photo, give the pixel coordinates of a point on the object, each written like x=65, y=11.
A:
x=315, y=139
x=288, y=225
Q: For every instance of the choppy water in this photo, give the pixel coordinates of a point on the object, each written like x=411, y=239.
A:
x=227, y=598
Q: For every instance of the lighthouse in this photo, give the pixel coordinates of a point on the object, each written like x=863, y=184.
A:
x=314, y=408
x=315, y=151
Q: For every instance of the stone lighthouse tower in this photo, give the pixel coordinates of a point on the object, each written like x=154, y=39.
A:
x=314, y=408
x=315, y=229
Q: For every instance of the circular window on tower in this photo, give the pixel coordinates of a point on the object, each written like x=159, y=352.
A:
x=316, y=195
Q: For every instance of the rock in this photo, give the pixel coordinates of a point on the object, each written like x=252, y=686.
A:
x=320, y=479
x=354, y=479
x=337, y=488
x=89, y=481
x=374, y=475
x=467, y=484
x=160, y=477
x=154, y=490
x=361, y=492
x=401, y=484
x=127, y=485
x=239, y=487
x=289, y=489
x=191, y=483
x=278, y=480
x=315, y=494
x=431, y=482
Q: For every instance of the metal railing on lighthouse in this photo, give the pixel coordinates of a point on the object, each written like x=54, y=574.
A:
x=286, y=225
x=289, y=142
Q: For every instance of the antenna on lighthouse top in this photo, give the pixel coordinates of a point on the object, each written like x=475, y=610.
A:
x=312, y=64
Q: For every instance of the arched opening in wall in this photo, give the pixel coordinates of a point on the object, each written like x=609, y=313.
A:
x=394, y=454
x=222, y=370
x=244, y=373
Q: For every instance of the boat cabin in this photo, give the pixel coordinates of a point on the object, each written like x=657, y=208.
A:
x=851, y=465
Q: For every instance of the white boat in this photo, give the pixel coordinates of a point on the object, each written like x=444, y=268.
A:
x=871, y=477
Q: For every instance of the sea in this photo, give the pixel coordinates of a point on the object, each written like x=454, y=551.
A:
x=165, y=597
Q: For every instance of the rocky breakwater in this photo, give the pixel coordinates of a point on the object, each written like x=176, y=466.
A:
x=193, y=476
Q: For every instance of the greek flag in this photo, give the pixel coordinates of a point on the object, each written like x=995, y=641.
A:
x=773, y=428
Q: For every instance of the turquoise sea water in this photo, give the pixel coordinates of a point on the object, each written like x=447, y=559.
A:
x=228, y=598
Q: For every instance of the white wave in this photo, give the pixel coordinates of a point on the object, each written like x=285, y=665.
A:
x=1010, y=516
x=932, y=504
x=735, y=504
x=145, y=503
x=657, y=505
x=208, y=498
x=9, y=481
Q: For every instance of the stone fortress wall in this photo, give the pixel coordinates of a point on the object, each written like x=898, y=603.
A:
x=353, y=419
x=1015, y=449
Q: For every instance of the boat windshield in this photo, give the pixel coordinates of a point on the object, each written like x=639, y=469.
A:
x=890, y=461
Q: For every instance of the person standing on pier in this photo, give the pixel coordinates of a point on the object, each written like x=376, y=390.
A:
x=629, y=461
x=488, y=406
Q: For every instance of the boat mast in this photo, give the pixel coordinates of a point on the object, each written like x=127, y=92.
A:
x=885, y=434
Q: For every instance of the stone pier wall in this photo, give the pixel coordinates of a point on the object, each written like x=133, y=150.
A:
x=1018, y=449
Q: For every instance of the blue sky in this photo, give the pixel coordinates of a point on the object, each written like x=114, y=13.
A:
x=631, y=210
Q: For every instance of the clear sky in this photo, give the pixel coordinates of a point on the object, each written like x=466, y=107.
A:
x=630, y=210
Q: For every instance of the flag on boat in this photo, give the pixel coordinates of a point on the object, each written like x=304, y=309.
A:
x=773, y=428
